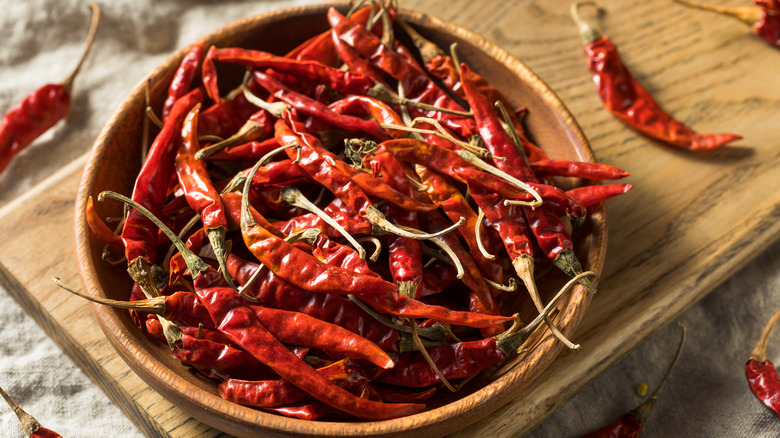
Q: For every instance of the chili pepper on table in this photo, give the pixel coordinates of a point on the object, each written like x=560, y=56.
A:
x=42, y=108
x=624, y=97
x=241, y=326
x=30, y=424
x=761, y=373
x=764, y=21
x=629, y=425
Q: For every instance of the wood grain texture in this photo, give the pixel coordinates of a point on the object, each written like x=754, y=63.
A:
x=548, y=121
x=690, y=222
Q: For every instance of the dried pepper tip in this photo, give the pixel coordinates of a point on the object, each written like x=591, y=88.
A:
x=703, y=142
x=294, y=197
x=643, y=411
x=99, y=228
x=68, y=82
x=759, y=351
x=567, y=262
x=30, y=424
x=511, y=340
x=587, y=32
x=746, y=14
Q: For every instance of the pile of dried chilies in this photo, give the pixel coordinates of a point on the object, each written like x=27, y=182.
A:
x=361, y=263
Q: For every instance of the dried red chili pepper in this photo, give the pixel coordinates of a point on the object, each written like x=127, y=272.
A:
x=30, y=424
x=624, y=97
x=577, y=169
x=761, y=373
x=592, y=195
x=275, y=292
x=182, y=79
x=249, y=151
x=42, y=108
x=139, y=233
x=312, y=108
x=199, y=191
x=629, y=425
x=241, y=326
x=764, y=20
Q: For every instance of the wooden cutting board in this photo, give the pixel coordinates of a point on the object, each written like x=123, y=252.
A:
x=690, y=222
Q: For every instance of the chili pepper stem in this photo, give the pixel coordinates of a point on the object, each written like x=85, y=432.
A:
x=567, y=262
x=216, y=237
x=249, y=131
x=29, y=423
x=759, y=351
x=154, y=305
x=511, y=287
x=643, y=411
x=68, y=82
x=511, y=130
x=427, y=356
x=524, y=266
x=140, y=271
x=380, y=92
x=510, y=341
x=473, y=159
x=193, y=262
x=587, y=32
x=426, y=48
x=377, y=246
x=478, y=236
x=247, y=220
x=276, y=109
x=407, y=289
x=294, y=197
x=376, y=217
x=746, y=14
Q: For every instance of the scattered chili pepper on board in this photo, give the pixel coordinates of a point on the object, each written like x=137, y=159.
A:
x=624, y=97
x=42, y=108
x=761, y=373
x=763, y=20
x=30, y=424
x=629, y=425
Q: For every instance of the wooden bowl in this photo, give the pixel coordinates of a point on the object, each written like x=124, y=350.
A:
x=114, y=163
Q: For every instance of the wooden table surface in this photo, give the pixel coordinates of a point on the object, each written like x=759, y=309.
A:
x=690, y=222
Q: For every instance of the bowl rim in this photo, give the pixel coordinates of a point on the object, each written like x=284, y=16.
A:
x=238, y=418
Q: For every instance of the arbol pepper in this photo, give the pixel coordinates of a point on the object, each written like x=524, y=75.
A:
x=41, y=109
x=624, y=97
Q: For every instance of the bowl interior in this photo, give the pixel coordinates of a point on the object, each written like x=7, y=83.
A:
x=115, y=161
